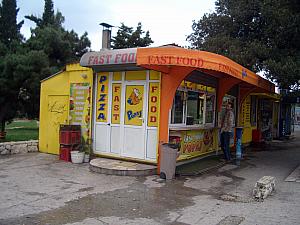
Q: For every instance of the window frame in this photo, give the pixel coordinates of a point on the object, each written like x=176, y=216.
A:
x=183, y=124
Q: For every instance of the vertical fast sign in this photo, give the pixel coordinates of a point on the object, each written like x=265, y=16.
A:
x=116, y=103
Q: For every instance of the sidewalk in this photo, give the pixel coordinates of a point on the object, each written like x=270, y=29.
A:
x=213, y=162
x=37, y=188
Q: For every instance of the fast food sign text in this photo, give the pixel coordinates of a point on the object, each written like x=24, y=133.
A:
x=102, y=99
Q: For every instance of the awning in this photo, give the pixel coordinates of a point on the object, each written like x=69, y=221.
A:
x=268, y=95
x=164, y=57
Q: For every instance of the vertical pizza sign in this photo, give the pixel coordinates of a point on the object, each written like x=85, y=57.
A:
x=102, y=97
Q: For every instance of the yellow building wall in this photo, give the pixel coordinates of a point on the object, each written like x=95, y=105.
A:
x=54, y=104
x=244, y=121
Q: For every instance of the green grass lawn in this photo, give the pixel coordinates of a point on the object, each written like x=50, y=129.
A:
x=21, y=130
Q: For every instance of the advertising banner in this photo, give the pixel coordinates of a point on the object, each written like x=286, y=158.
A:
x=197, y=142
x=134, y=97
x=80, y=107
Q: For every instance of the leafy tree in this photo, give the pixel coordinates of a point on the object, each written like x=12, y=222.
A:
x=128, y=38
x=262, y=35
x=61, y=46
x=18, y=70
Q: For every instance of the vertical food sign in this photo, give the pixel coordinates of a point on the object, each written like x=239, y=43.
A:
x=102, y=97
x=153, y=104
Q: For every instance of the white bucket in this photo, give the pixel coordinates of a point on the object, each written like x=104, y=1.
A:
x=77, y=157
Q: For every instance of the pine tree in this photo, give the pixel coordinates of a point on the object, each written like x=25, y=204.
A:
x=48, y=15
x=10, y=43
x=19, y=66
x=9, y=28
x=127, y=38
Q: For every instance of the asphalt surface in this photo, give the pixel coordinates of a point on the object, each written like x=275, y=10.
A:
x=37, y=188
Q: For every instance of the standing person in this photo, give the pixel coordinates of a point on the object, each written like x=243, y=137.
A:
x=226, y=130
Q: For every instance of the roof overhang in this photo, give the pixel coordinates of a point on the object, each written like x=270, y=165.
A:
x=164, y=58
x=170, y=56
x=273, y=96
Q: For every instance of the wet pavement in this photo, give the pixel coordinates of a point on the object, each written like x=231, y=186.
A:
x=36, y=188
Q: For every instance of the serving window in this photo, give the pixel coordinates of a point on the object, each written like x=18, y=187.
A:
x=178, y=108
x=193, y=106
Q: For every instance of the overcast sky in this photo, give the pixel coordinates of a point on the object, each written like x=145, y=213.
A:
x=169, y=21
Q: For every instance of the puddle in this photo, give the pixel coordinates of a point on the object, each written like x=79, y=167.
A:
x=137, y=201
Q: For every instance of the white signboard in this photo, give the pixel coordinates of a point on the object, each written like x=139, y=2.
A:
x=109, y=57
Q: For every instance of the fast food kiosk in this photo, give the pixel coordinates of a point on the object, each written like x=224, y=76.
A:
x=144, y=97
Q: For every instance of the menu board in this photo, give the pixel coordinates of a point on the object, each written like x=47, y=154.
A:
x=246, y=109
x=80, y=106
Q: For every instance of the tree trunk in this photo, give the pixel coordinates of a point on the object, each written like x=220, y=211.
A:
x=2, y=126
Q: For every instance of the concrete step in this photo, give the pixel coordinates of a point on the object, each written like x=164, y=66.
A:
x=121, y=168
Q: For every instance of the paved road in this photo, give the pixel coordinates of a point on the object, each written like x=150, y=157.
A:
x=38, y=189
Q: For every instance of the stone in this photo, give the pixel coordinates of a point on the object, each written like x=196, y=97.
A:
x=8, y=146
x=35, y=143
x=264, y=187
x=20, y=148
x=5, y=152
x=32, y=148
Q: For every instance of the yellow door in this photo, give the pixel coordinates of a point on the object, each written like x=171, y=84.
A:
x=57, y=114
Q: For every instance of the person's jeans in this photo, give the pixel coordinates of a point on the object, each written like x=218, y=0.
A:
x=225, y=141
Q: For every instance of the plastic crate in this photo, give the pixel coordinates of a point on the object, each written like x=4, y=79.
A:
x=65, y=153
x=65, y=137
x=64, y=127
x=68, y=137
x=75, y=137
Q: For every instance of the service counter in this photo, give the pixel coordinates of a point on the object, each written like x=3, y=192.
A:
x=194, y=141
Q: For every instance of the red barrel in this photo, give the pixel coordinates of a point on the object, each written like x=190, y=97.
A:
x=256, y=136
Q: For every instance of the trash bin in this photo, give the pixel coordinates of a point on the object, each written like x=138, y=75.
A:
x=168, y=160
